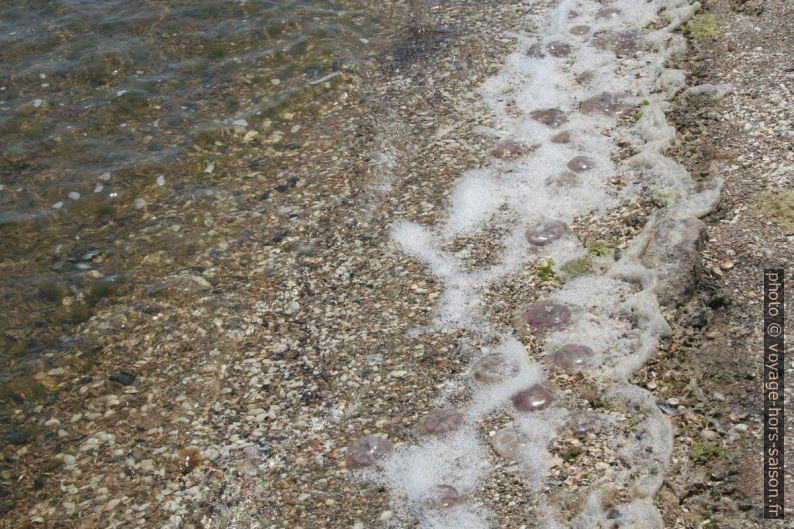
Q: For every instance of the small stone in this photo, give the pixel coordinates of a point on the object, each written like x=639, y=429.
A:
x=726, y=264
x=709, y=435
x=17, y=437
x=534, y=398
x=122, y=377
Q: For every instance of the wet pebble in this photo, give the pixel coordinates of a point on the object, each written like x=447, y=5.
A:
x=546, y=232
x=367, y=451
x=122, y=377
x=17, y=437
x=534, y=398
x=552, y=117
x=580, y=164
x=572, y=357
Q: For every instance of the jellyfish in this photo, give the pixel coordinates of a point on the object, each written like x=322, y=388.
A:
x=564, y=179
x=608, y=12
x=542, y=316
x=508, y=150
x=562, y=137
x=572, y=357
x=604, y=103
x=367, y=451
x=580, y=31
x=440, y=422
x=581, y=424
x=442, y=497
x=508, y=442
x=534, y=398
x=621, y=43
x=559, y=49
x=489, y=369
x=546, y=232
x=579, y=164
x=553, y=117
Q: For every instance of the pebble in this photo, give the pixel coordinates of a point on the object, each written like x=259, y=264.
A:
x=122, y=377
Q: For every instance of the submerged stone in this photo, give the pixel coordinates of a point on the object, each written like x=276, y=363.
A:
x=546, y=232
x=553, y=117
x=368, y=451
x=579, y=164
x=442, y=497
x=572, y=357
x=534, y=398
x=440, y=422
x=489, y=369
x=559, y=49
x=543, y=316
x=508, y=150
x=605, y=103
x=508, y=442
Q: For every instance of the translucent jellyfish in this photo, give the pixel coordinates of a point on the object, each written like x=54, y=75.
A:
x=440, y=422
x=508, y=442
x=508, y=150
x=442, y=497
x=580, y=164
x=564, y=179
x=546, y=232
x=572, y=14
x=605, y=103
x=368, y=451
x=572, y=357
x=553, y=117
x=608, y=12
x=585, y=78
x=543, y=316
x=489, y=369
x=581, y=424
x=562, y=137
x=559, y=49
x=535, y=51
x=580, y=30
x=622, y=43
x=534, y=398
x=188, y=458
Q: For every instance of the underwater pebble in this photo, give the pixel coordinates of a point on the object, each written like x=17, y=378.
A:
x=105, y=177
x=74, y=195
x=98, y=188
x=580, y=164
x=553, y=117
x=546, y=232
x=57, y=205
x=122, y=377
x=160, y=180
x=534, y=398
x=572, y=357
x=140, y=203
x=489, y=369
x=440, y=422
x=367, y=451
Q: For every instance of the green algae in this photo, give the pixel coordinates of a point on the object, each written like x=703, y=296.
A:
x=703, y=26
x=578, y=267
x=776, y=207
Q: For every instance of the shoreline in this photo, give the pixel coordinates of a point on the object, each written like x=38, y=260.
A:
x=300, y=345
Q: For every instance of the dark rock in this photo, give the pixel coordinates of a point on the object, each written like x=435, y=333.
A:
x=17, y=437
x=6, y=506
x=278, y=236
x=122, y=377
x=699, y=320
x=613, y=514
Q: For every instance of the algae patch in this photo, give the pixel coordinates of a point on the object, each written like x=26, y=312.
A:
x=776, y=207
x=703, y=26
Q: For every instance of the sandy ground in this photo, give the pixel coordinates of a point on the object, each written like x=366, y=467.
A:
x=258, y=365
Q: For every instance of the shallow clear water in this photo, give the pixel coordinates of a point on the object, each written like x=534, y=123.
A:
x=104, y=106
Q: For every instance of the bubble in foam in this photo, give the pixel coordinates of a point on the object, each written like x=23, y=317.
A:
x=440, y=422
x=489, y=369
x=580, y=31
x=559, y=49
x=442, y=497
x=536, y=397
x=608, y=12
x=553, y=117
x=581, y=424
x=572, y=357
x=621, y=43
x=564, y=179
x=580, y=164
x=508, y=442
x=546, y=232
x=604, y=103
x=367, y=451
x=542, y=316
x=508, y=150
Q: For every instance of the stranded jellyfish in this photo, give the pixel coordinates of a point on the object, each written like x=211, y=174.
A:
x=581, y=424
x=562, y=137
x=534, y=398
x=546, y=233
x=559, y=49
x=572, y=357
x=442, y=497
x=621, y=43
x=367, y=451
x=535, y=51
x=440, y=422
x=541, y=316
x=580, y=31
x=508, y=150
x=565, y=179
x=585, y=78
x=604, y=103
x=608, y=12
x=489, y=369
x=553, y=117
x=508, y=441
x=580, y=164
